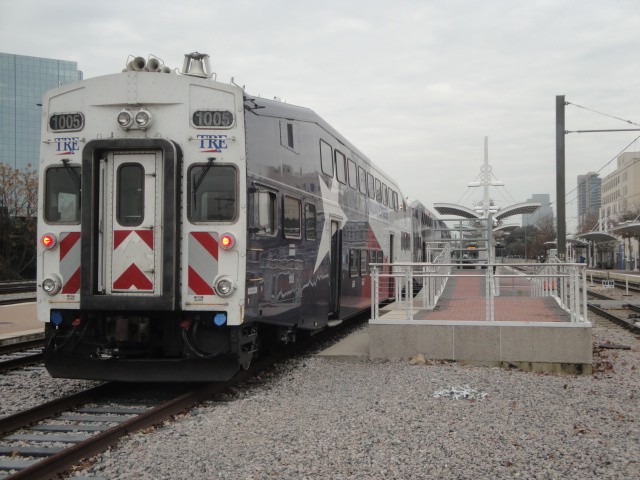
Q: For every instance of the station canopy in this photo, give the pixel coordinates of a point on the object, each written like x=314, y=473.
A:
x=462, y=211
x=597, y=237
x=630, y=228
x=456, y=210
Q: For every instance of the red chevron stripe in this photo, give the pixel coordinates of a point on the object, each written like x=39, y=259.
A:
x=73, y=284
x=133, y=277
x=208, y=242
x=197, y=285
x=68, y=242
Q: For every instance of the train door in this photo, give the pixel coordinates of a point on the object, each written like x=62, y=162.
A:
x=334, y=279
x=129, y=256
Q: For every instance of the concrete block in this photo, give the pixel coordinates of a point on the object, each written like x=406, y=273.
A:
x=477, y=343
x=551, y=344
x=404, y=341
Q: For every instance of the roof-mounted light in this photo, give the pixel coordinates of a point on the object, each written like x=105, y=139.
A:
x=125, y=119
x=143, y=119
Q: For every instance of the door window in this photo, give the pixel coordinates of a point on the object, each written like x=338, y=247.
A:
x=130, y=199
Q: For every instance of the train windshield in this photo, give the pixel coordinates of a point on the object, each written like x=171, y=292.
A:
x=62, y=195
x=213, y=193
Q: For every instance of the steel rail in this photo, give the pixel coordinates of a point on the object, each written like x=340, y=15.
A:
x=614, y=318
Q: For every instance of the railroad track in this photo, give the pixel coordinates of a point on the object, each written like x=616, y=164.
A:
x=17, y=287
x=14, y=355
x=88, y=422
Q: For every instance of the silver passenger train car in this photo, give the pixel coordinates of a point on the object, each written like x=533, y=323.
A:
x=185, y=224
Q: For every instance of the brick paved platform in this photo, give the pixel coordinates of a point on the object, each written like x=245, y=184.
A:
x=464, y=299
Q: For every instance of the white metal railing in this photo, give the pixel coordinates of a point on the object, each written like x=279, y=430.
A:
x=411, y=287
x=392, y=282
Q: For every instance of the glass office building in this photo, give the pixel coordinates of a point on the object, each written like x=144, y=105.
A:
x=23, y=81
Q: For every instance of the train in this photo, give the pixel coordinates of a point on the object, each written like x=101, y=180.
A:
x=186, y=226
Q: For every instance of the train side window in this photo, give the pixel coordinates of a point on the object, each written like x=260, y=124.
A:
x=370, y=186
x=130, y=196
x=212, y=193
x=378, y=191
x=264, y=213
x=385, y=195
x=310, y=221
x=341, y=168
x=353, y=262
x=394, y=199
x=364, y=262
x=326, y=158
x=62, y=195
x=362, y=176
x=291, y=217
x=353, y=174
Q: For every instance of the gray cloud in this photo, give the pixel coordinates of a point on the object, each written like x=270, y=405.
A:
x=416, y=85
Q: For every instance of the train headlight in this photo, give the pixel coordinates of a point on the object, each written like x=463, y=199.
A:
x=224, y=287
x=52, y=284
x=49, y=240
x=143, y=119
x=227, y=241
x=125, y=119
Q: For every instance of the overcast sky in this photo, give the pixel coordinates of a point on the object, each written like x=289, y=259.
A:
x=415, y=85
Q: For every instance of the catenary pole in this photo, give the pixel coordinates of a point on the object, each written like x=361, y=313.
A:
x=560, y=186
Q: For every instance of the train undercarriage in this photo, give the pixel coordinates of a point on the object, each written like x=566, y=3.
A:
x=148, y=346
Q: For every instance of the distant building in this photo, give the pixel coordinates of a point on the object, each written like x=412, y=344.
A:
x=545, y=210
x=588, y=195
x=23, y=81
x=621, y=188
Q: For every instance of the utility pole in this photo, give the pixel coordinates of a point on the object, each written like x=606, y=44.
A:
x=560, y=187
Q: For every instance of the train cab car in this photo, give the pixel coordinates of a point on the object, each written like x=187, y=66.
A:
x=184, y=224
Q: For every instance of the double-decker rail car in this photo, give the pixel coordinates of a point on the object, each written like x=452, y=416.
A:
x=184, y=225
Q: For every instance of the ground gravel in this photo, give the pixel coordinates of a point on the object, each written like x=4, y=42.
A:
x=315, y=418
x=31, y=386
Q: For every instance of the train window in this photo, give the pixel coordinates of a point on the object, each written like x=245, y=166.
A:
x=378, y=191
x=264, y=213
x=291, y=217
x=130, y=195
x=362, y=176
x=212, y=193
x=62, y=195
x=310, y=221
x=290, y=134
x=394, y=199
x=326, y=158
x=353, y=174
x=364, y=261
x=353, y=262
x=370, y=185
x=385, y=195
x=341, y=167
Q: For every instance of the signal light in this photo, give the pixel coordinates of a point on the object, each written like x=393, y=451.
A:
x=49, y=241
x=227, y=241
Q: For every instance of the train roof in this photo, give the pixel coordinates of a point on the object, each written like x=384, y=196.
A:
x=279, y=109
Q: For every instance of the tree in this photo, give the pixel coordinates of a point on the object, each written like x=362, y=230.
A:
x=18, y=209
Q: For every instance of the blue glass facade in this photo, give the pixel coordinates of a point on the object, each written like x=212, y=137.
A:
x=23, y=81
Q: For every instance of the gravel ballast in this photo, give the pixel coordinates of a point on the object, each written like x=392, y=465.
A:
x=315, y=418
x=318, y=418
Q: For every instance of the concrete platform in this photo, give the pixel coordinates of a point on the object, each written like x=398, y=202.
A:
x=528, y=333
x=19, y=323
x=353, y=348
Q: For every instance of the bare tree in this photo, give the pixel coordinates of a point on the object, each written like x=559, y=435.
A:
x=18, y=209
